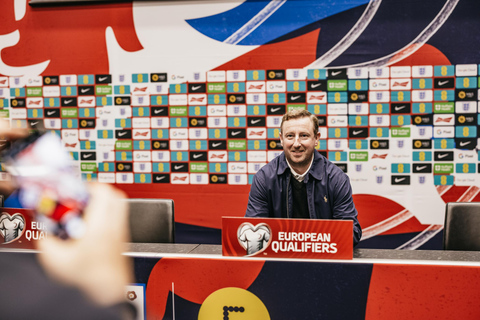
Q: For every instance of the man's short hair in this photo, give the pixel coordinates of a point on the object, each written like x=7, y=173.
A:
x=300, y=113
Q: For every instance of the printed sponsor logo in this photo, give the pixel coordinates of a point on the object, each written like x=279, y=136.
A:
x=400, y=180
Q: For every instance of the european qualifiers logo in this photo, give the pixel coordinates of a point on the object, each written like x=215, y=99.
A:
x=254, y=239
x=11, y=226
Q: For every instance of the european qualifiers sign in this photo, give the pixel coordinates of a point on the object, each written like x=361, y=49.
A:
x=287, y=238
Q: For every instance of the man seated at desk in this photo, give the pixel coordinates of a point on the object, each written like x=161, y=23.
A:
x=300, y=182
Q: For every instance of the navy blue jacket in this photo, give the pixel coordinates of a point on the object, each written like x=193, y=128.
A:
x=329, y=192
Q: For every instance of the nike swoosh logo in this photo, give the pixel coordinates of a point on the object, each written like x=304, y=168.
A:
x=159, y=178
x=178, y=167
x=195, y=156
x=399, y=179
x=216, y=144
x=399, y=108
x=34, y=123
x=357, y=132
x=121, y=134
x=441, y=156
x=87, y=156
x=194, y=88
x=295, y=98
x=255, y=121
x=84, y=90
x=465, y=143
x=68, y=101
x=334, y=73
x=275, y=109
x=421, y=167
x=236, y=133
x=49, y=113
x=316, y=85
x=102, y=79
x=156, y=111
x=441, y=83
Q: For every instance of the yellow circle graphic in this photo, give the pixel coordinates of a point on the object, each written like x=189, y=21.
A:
x=233, y=304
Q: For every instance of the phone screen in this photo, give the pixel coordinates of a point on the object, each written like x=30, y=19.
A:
x=48, y=182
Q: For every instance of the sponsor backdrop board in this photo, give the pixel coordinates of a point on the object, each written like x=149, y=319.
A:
x=184, y=100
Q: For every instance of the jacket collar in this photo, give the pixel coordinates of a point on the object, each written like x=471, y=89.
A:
x=316, y=171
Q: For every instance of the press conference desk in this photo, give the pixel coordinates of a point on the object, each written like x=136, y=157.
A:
x=359, y=255
x=194, y=281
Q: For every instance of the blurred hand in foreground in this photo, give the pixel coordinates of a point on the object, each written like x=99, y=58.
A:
x=94, y=263
x=7, y=135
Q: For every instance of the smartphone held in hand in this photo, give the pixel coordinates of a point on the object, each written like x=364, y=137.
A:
x=48, y=182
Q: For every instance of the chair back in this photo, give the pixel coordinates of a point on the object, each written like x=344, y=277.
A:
x=151, y=220
x=462, y=226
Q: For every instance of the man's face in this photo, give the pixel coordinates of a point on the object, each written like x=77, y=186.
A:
x=299, y=141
